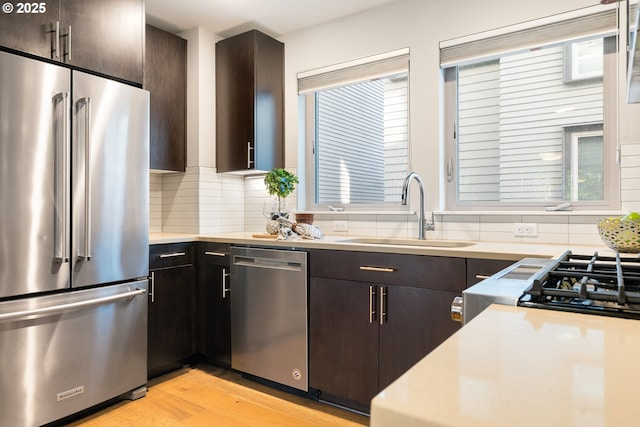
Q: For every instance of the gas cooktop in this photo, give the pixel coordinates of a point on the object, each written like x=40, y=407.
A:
x=593, y=284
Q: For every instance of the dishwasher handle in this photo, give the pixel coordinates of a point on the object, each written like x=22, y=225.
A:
x=268, y=263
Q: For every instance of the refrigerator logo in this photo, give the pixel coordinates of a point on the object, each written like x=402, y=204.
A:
x=70, y=393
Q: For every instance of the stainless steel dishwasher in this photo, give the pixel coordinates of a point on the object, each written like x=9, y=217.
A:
x=269, y=315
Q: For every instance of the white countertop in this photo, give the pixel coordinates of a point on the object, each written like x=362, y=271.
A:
x=514, y=366
x=486, y=250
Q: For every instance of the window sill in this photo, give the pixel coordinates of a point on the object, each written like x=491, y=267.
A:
x=530, y=213
x=356, y=212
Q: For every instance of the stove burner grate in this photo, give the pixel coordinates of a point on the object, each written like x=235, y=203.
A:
x=589, y=283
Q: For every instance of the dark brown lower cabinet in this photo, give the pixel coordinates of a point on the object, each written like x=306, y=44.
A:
x=363, y=336
x=171, y=312
x=213, y=332
x=417, y=321
x=343, y=344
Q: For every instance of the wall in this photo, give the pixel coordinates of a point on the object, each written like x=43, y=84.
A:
x=419, y=25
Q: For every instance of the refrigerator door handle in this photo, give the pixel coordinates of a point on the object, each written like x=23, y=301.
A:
x=86, y=102
x=55, y=45
x=62, y=177
x=73, y=305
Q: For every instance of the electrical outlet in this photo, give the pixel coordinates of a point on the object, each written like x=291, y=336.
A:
x=525, y=230
x=340, y=226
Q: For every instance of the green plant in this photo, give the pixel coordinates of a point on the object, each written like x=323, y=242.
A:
x=280, y=182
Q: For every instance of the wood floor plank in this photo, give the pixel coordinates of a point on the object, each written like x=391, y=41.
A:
x=207, y=396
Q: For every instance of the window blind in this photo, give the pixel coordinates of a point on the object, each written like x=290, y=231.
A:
x=350, y=72
x=601, y=20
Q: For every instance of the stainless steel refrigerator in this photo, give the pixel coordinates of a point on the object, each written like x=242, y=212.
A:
x=73, y=240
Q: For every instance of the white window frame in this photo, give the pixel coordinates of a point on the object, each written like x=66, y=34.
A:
x=574, y=135
x=309, y=82
x=524, y=37
x=572, y=64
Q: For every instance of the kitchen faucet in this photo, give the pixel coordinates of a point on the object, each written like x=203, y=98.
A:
x=422, y=224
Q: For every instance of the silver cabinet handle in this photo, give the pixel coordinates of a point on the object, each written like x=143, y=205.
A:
x=482, y=276
x=62, y=307
x=372, y=296
x=173, y=255
x=225, y=290
x=383, y=297
x=221, y=254
x=86, y=102
x=62, y=179
x=379, y=269
x=249, y=150
x=152, y=285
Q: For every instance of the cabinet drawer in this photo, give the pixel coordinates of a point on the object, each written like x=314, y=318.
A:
x=214, y=253
x=479, y=269
x=170, y=255
x=429, y=272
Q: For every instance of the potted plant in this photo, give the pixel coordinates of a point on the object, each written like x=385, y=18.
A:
x=280, y=183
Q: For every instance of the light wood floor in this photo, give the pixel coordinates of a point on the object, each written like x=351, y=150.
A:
x=206, y=396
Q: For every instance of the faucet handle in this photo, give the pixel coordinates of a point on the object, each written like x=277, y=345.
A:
x=429, y=226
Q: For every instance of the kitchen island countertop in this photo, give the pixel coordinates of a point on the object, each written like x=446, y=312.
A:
x=514, y=366
x=484, y=250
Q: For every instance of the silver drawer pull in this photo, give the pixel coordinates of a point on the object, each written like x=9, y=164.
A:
x=172, y=255
x=482, y=276
x=222, y=254
x=71, y=305
x=379, y=269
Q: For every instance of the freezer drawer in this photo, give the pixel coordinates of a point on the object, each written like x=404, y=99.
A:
x=67, y=352
x=269, y=315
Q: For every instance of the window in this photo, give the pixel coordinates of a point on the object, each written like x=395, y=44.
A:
x=534, y=124
x=583, y=163
x=584, y=60
x=357, y=125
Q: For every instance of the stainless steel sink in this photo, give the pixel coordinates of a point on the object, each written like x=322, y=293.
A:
x=410, y=242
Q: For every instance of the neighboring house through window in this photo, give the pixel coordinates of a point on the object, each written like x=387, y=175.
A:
x=357, y=125
x=533, y=123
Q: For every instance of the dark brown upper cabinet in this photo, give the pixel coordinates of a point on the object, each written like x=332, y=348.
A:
x=165, y=77
x=249, y=103
x=105, y=37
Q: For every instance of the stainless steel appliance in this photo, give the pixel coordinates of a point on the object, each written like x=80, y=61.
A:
x=73, y=239
x=589, y=284
x=504, y=287
x=592, y=284
x=269, y=315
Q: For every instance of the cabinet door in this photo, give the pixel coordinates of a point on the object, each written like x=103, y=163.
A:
x=343, y=342
x=235, y=94
x=416, y=321
x=106, y=37
x=32, y=33
x=214, y=306
x=165, y=77
x=171, y=317
x=249, y=102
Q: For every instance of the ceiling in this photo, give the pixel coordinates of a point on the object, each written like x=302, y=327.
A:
x=230, y=17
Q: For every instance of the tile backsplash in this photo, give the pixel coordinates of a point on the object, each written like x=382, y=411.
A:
x=201, y=201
